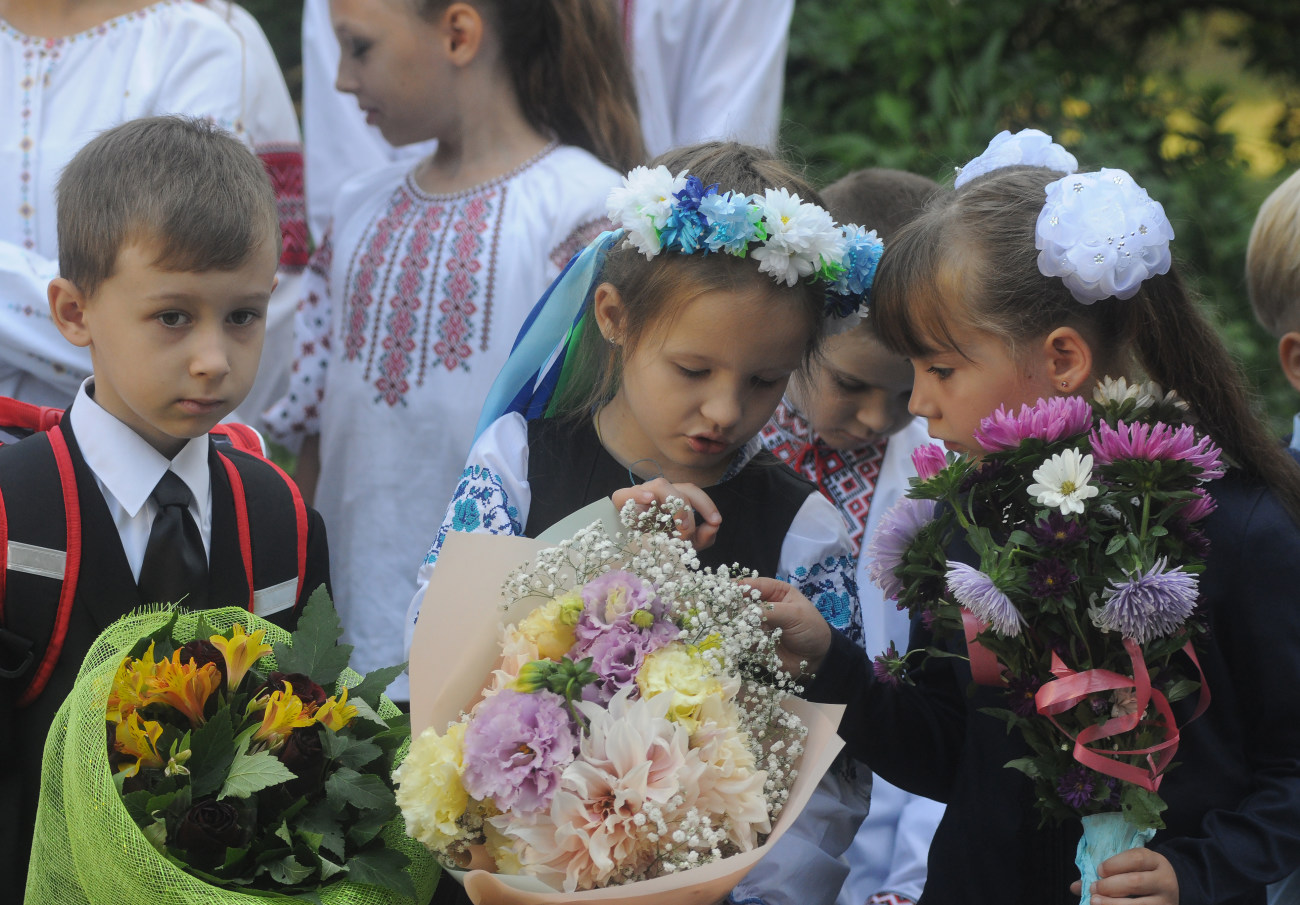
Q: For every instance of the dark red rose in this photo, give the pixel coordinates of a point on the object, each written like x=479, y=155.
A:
x=204, y=652
x=304, y=688
x=208, y=829
x=303, y=754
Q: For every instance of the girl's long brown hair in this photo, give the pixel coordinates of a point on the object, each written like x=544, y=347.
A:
x=969, y=262
x=570, y=72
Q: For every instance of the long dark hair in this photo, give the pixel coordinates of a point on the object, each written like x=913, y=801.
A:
x=969, y=262
x=569, y=70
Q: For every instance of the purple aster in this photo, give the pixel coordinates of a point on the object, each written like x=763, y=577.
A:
x=1193, y=538
x=989, y=471
x=1057, y=532
x=928, y=460
x=516, y=746
x=1050, y=578
x=976, y=592
x=893, y=536
x=1076, y=786
x=1152, y=442
x=1149, y=604
x=1021, y=692
x=885, y=664
x=1048, y=420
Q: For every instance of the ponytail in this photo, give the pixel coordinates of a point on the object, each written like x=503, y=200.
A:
x=572, y=76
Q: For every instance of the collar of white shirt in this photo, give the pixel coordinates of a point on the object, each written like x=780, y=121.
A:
x=1295, y=432
x=127, y=467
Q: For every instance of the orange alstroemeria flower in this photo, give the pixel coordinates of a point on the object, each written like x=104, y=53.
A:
x=241, y=652
x=336, y=713
x=282, y=712
x=131, y=685
x=139, y=739
x=184, y=686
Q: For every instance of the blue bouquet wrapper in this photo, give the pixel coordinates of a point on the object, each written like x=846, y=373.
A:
x=1104, y=836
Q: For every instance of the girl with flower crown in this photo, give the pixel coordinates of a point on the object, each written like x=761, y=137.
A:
x=648, y=370
x=431, y=266
x=1024, y=284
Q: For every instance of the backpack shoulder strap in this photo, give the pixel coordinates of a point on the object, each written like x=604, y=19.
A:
x=273, y=548
x=21, y=419
x=42, y=550
x=240, y=436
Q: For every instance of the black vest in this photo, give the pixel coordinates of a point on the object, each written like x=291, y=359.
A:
x=568, y=468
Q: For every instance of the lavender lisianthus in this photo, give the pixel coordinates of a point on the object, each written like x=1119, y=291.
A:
x=888, y=545
x=516, y=747
x=978, y=593
x=1048, y=420
x=617, y=653
x=1156, y=441
x=613, y=597
x=1148, y=605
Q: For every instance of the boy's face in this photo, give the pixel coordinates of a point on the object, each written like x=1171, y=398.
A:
x=856, y=394
x=173, y=353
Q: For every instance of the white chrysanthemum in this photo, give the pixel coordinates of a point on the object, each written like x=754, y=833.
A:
x=429, y=789
x=1063, y=482
x=642, y=203
x=1111, y=389
x=800, y=237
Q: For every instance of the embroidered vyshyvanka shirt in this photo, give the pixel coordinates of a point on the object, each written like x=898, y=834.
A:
x=207, y=59
x=408, y=312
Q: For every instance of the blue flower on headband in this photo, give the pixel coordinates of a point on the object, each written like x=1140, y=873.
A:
x=735, y=222
x=687, y=224
x=860, y=261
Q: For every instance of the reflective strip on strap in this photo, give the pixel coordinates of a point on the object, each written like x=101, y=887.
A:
x=277, y=597
x=37, y=560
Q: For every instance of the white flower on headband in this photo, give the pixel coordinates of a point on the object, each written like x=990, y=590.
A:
x=643, y=203
x=1102, y=234
x=802, y=238
x=1028, y=147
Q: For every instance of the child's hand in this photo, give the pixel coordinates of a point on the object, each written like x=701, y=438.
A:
x=805, y=634
x=698, y=523
x=1138, y=876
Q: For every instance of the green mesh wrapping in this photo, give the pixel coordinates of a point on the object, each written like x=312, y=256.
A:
x=88, y=850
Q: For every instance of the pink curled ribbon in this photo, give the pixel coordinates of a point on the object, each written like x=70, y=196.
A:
x=984, y=666
x=1070, y=688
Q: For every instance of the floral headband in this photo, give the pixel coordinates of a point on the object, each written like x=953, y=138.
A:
x=791, y=239
x=1101, y=233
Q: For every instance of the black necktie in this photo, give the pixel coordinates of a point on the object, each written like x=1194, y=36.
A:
x=175, y=564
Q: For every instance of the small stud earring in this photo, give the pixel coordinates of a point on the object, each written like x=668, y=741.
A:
x=1065, y=384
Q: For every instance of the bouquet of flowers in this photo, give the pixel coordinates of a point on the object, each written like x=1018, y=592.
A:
x=635, y=728
x=1080, y=599
x=239, y=761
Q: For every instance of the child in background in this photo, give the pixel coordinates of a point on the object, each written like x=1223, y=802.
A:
x=844, y=425
x=168, y=243
x=430, y=270
x=961, y=293
x=683, y=353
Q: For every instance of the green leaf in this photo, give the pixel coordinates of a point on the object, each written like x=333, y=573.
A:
x=251, y=773
x=1115, y=544
x=328, y=868
x=385, y=868
x=366, y=712
x=349, y=752
x=370, y=824
x=1020, y=538
x=1142, y=808
x=361, y=790
x=1181, y=689
x=211, y=752
x=288, y=871
x=136, y=804
x=1026, y=765
x=313, y=649
x=320, y=819
x=374, y=684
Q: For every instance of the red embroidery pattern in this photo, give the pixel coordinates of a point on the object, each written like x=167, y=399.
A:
x=284, y=167
x=889, y=898
x=577, y=240
x=365, y=271
x=401, y=322
x=456, y=307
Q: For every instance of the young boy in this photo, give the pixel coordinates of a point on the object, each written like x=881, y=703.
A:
x=1273, y=278
x=168, y=244
x=844, y=424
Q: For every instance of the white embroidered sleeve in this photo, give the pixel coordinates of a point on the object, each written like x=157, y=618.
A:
x=817, y=558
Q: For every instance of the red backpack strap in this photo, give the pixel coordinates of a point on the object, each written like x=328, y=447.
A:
x=241, y=437
x=71, y=567
x=265, y=498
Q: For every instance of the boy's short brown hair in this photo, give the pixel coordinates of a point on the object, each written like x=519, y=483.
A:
x=879, y=198
x=1273, y=259
x=181, y=182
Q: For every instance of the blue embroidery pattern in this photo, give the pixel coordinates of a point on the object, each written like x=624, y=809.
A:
x=833, y=589
x=479, y=506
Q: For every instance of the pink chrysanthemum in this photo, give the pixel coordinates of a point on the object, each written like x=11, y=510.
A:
x=976, y=592
x=888, y=545
x=1048, y=420
x=1153, y=442
x=928, y=460
x=1198, y=508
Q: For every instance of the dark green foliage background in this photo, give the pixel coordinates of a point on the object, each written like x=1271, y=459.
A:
x=924, y=84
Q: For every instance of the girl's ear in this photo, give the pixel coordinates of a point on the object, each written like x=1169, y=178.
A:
x=1288, y=353
x=68, y=309
x=462, y=28
x=607, y=306
x=1068, y=358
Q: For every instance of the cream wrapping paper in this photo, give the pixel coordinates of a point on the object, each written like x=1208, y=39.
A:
x=455, y=647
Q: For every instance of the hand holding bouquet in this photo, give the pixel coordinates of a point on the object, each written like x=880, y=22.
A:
x=635, y=727
x=228, y=769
